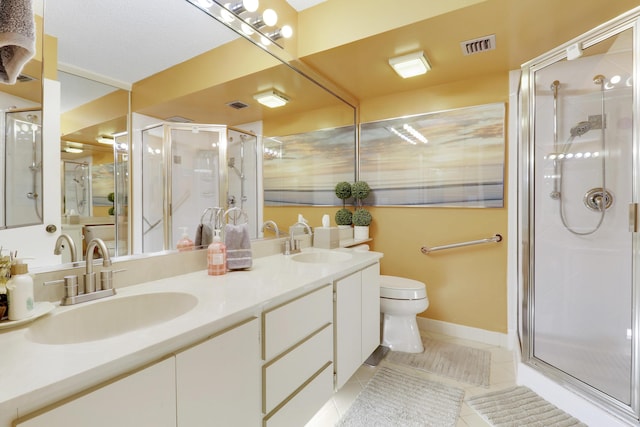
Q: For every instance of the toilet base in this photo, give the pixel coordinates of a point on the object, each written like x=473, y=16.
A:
x=400, y=333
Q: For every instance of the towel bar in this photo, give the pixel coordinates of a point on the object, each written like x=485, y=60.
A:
x=495, y=239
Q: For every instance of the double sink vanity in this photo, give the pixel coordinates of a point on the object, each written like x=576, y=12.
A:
x=263, y=347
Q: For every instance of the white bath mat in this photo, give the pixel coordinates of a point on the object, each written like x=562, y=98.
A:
x=393, y=398
x=461, y=363
x=520, y=407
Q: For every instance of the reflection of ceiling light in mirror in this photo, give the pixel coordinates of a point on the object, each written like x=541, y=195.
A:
x=410, y=65
x=615, y=79
x=265, y=41
x=72, y=150
x=226, y=15
x=417, y=135
x=271, y=98
x=270, y=17
x=105, y=140
x=401, y=135
x=204, y=3
x=246, y=29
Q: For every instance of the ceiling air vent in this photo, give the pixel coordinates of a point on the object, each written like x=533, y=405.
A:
x=238, y=105
x=481, y=44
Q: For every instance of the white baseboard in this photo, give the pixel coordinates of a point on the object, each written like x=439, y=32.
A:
x=465, y=332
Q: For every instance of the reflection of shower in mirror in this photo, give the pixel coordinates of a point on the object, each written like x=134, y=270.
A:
x=23, y=167
x=77, y=187
x=231, y=164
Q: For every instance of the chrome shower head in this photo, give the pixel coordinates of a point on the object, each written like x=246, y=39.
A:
x=580, y=129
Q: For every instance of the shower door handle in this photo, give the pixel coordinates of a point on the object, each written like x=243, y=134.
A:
x=633, y=217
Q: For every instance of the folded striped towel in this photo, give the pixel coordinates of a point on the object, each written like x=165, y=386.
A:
x=238, y=243
x=17, y=38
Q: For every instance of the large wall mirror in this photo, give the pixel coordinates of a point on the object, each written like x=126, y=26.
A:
x=127, y=73
x=21, y=144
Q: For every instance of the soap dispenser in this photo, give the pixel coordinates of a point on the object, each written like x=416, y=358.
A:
x=217, y=256
x=20, y=291
x=185, y=243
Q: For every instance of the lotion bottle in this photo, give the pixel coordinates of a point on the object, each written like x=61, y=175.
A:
x=20, y=292
x=217, y=256
x=185, y=243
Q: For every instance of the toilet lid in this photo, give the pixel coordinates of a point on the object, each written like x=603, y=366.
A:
x=401, y=288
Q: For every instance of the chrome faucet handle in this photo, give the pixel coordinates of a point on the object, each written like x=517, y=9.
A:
x=70, y=285
x=106, y=278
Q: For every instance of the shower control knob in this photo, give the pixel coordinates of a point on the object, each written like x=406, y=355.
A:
x=51, y=228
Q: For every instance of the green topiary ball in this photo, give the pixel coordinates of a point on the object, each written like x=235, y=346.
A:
x=343, y=217
x=361, y=217
x=343, y=190
x=360, y=190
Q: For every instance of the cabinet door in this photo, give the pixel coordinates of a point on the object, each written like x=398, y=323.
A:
x=348, y=327
x=370, y=310
x=145, y=398
x=218, y=381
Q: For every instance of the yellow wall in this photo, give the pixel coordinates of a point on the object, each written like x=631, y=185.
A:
x=466, y=286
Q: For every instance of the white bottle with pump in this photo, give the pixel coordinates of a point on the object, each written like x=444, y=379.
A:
x=20, y=292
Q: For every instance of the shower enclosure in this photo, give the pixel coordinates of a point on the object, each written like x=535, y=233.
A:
x=579, y=216
x=187, y=168
x=76, y=197
x=23, y=167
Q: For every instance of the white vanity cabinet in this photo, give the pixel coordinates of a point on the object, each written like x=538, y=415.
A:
x=357, y=320
x=298, y=358
x=218, y=380
x=144, y=398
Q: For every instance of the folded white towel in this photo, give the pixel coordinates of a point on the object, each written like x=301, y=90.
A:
x=17, y=38
x=238, y=243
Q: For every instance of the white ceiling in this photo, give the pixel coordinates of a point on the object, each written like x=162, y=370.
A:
x=128, y=40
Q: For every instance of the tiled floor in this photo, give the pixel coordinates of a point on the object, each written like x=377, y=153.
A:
x=502, y=376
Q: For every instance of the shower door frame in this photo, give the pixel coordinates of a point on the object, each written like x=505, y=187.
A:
x=526, y=216
x=168, y=128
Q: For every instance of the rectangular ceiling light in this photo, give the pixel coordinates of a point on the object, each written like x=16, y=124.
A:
x=271, y=99
x=413, y=64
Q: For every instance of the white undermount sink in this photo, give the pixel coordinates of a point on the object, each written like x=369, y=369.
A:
x=110, y=317
x=322, y=257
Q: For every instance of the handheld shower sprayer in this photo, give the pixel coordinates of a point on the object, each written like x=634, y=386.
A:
x=580, y=129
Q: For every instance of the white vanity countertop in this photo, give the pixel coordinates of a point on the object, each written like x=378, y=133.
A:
x=33, y=375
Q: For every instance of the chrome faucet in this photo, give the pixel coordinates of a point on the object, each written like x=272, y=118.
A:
x=60, y=244
x=293, y=246
x=73, y=294
x=271, y=225
x=89, y=275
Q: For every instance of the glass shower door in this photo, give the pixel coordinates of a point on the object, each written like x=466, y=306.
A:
x=153, y=176
x=581, y=249
x=196, y=173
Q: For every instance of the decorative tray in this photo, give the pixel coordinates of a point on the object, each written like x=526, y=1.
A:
x=40, y=309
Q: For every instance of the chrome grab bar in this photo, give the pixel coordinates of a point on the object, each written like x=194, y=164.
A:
x=495, y=239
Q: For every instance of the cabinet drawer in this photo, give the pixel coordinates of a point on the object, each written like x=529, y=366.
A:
x=301, y=408
x=287, y=373
x=290, y=323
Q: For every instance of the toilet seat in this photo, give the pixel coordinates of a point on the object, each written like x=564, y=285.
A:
x=394, y=287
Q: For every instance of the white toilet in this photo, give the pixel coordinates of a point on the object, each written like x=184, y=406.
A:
x=400, y=300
